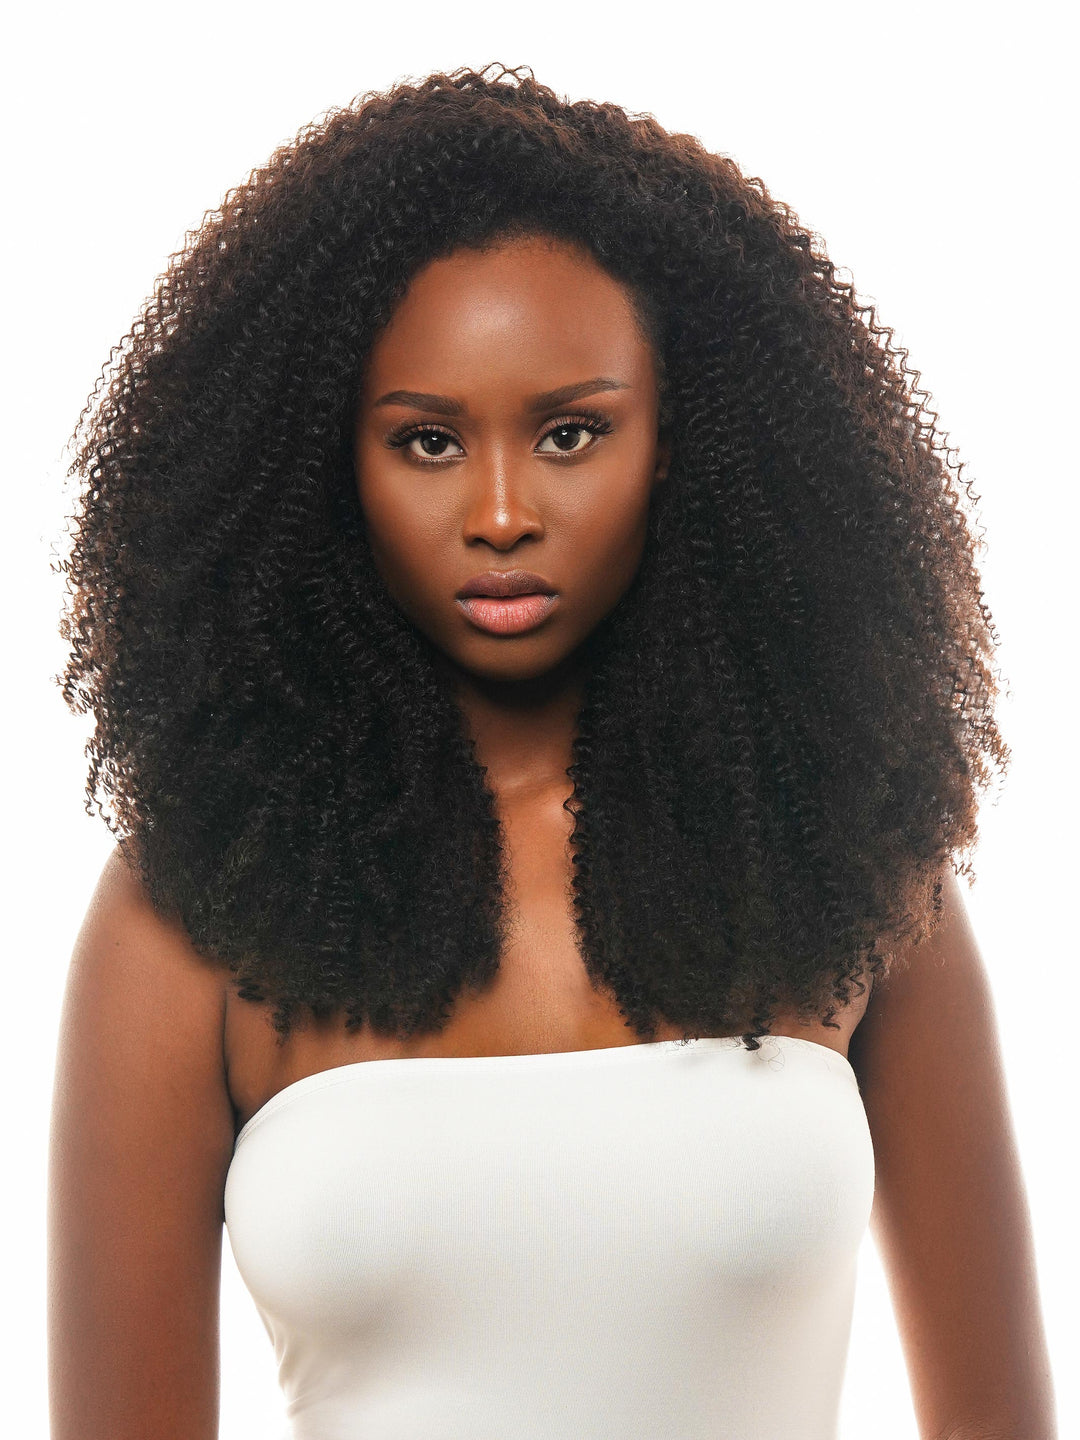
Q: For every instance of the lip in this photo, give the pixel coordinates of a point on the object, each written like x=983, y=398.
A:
x=506, y=582
x=507, y=615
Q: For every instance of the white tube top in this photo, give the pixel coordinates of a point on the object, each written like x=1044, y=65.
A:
x=646, y=1240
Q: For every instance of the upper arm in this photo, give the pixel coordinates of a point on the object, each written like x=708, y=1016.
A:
x=140, y=1141
x=950, y=1217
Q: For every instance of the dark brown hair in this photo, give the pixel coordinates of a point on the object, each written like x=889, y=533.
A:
x=773, y=764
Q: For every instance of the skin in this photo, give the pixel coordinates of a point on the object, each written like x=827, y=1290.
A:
x=158, y=1065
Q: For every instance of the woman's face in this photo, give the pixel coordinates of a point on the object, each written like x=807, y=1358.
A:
x=467, y=462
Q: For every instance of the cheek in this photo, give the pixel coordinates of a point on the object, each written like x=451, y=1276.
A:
x=401, y=530
x=394, y=552
x=611, y=537
x=404, y=561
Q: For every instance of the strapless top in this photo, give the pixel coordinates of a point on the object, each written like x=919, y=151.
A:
x=645, y=1240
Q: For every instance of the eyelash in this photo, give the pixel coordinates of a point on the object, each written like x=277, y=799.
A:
x=589, y=420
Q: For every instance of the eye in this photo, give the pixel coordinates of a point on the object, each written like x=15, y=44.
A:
x=423, y=433
x=574, y=427
x=586, y=422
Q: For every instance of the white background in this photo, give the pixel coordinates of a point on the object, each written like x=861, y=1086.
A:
x=931, y=146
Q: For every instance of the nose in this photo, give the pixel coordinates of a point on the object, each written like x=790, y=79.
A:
x=500, y=510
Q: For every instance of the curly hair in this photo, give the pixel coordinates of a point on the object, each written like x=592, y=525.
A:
x=763, y=799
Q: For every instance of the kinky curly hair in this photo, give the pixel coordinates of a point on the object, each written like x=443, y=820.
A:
x=786, y=719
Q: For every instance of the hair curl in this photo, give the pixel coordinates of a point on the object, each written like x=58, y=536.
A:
x=762, y=799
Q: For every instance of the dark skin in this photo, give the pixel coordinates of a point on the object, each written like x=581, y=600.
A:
x=158, y=1064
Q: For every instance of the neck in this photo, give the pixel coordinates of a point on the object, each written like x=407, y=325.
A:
x=523, y=730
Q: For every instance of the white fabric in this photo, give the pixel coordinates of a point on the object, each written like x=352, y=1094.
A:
x=648, y=1240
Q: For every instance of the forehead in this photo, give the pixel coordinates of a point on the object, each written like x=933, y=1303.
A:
x=516, y=313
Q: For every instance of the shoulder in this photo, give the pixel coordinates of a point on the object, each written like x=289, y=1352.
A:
x=142, y=1008
x=141, y=1137
x=133, y=962
x=122, y=933
x=934, y=1001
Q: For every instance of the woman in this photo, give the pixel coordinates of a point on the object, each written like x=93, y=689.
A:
x=639, y=886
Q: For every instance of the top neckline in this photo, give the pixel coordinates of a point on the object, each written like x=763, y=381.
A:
x=527, y=1060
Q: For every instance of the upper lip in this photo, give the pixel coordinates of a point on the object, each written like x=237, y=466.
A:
x=506, y=582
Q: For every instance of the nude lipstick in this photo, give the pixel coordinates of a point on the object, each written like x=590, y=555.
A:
x=507, y=602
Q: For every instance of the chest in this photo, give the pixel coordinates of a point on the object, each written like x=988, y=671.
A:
x=542, y=1000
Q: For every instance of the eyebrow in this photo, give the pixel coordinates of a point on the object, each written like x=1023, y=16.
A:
x=550, y=399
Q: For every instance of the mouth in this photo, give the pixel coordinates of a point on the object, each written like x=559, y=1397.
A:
x=508, y=614
x=507, y=602
x=501, y=583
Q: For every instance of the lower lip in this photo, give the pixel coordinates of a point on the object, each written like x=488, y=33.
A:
x=511, y=615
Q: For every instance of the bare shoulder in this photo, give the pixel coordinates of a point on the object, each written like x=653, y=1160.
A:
x=950, y=1215
x=123, y=936
x=929, y=1036
x=140, y=1141
x=139, y=991
x=935, y=996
